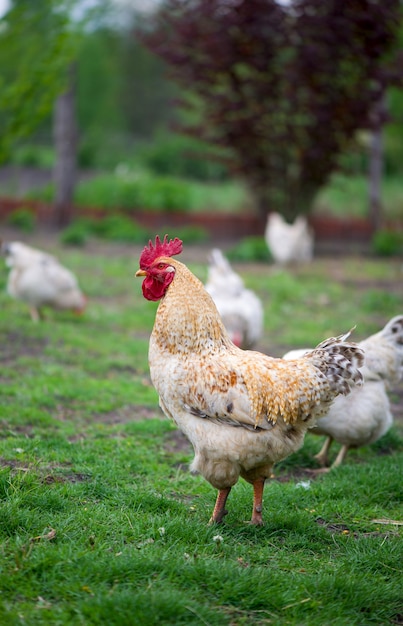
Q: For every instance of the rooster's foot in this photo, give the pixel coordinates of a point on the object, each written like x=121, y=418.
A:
x=256, y=520
x=219, y=509
x=217, y=519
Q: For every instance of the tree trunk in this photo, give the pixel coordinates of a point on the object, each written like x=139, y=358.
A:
x=376, y=165
x=65, y=138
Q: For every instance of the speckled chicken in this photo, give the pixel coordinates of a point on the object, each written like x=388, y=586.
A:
x=38, y=279
x=364, y=416
x=242, y=410
x=240, y=308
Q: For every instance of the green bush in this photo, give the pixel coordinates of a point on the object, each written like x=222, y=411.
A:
x=387, y=243
x=31, y=155
x=119, y=227
x=190, y=234
x=77, y=233
x=116, y=227
x=164, y=194
x=250, y=249
x=130, y=192
x=87, y=154
x=24, y=219
x=107, y=191
x=46, y=193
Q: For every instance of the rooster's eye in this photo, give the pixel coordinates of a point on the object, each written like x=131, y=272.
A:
x=161, y=266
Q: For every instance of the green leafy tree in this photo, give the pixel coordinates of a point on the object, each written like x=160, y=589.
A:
x=282, y=88
x=36, y=46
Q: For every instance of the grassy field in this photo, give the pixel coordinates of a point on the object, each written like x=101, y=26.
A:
x=101, y=522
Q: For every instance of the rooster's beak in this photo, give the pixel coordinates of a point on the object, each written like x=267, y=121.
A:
x=141, y=273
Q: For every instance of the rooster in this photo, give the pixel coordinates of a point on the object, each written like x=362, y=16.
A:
x=241, y=410
x=39, y=279
x=289, y=243
x=362, y=417
x=241, y=310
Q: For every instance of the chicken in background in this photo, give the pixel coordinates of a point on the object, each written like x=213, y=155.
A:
x=38, y=279
x=364, y=416
x=241, y=310
x=241, y=410
x=289, y=243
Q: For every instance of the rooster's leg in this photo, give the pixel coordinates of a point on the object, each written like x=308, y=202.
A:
x=322, y=456
x=258, y=487
x=219, y=509
x=340, y=457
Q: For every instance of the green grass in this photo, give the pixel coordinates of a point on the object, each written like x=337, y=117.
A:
x=101, y=522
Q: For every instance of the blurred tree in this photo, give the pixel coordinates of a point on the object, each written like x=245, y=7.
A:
x=376, y=162
x=35, y=47
x=282, y=87
x=147, y=95
x=394, y=134
x=65, y=140
x=126, y=81
x=99, y=78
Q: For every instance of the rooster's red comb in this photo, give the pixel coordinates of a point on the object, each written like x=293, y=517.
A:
x=161, y=248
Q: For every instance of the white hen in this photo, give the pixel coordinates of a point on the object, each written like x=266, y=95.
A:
x=240, y=309
x=38, y=279
x=289, y=243
x=364, y=416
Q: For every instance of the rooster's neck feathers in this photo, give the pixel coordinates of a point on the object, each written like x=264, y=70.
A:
x=187, y=319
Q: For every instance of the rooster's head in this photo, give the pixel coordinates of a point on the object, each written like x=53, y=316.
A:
x=154, y=265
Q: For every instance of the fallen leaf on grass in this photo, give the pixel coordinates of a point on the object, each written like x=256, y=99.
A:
x=43, y=604
x=146, y=542
x=50, y=535
x=341, y=528
x=289, y=606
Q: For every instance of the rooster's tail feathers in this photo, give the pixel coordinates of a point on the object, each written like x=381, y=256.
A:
x=339, y=360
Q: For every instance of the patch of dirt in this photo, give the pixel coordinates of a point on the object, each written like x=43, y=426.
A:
x=345, y=530
x=176, y=442
x=13, y=464
x=15, y=345
x=127, y=414
x=74, y=477
x=27, y=430
x=50, y=474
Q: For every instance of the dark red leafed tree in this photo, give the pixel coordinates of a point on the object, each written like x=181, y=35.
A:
x=282, y=88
